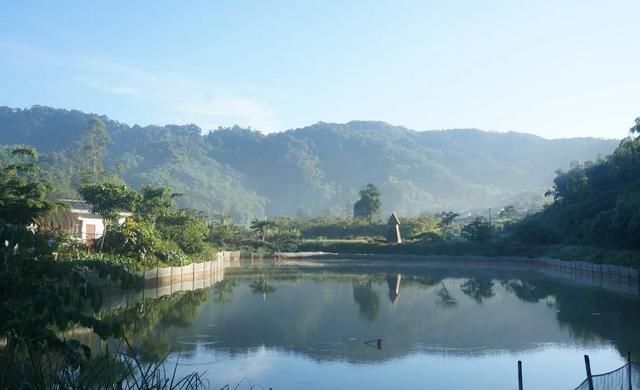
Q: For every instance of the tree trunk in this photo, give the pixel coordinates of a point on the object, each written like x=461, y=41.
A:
x=104, y=235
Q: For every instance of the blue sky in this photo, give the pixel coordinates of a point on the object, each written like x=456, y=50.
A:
x=552, y=68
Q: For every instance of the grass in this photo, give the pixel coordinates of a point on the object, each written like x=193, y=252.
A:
x=122, y=370
x=466, y=248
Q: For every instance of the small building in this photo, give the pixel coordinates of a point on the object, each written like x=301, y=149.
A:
x=78, y=219
x=393, y=234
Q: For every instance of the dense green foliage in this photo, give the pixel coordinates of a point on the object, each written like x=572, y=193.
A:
x=316, y=170
x=153, y=229
x=40, y=297
x=478, y=230
x=369, y=204
x=595, y=203
x=23, y=199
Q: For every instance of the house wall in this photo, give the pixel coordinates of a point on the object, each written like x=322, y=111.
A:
x=85, y=216
x=99, y=224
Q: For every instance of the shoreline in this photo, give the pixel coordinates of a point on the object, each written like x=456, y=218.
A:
x=620, y=279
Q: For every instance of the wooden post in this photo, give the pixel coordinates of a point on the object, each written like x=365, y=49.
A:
x=587, y=366
x=520, y=375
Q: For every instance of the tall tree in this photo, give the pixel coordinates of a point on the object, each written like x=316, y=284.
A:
x=23, y=199
x=95, y=144
x=369, y=203
x=154, y=202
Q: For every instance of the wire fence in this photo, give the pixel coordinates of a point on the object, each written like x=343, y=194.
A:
x=626, y=377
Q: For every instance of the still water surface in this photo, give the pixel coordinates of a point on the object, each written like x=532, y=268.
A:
x=304, y=324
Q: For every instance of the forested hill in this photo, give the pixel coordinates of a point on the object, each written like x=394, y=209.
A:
x=596, y=204
x=313, y=170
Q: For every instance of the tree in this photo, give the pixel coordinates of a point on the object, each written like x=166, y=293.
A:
x=154, y=202
x=369, y=203
x=96, y=142
x=27, y=154
x=108, y=200
x=22, y=199
x=187, y=228
x=224, y=233
x=135, y=238
x=636, y=127
x=478, y=230
x=446, y=219
x=422, y=228
x=263, y=227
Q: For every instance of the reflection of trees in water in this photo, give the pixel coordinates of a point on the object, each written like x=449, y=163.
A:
x=262, y=286
x=478, y=289
x=139, y=320
x=445, y=297
x=223, y=290
x=525, y=290
x=590, y=313
x=367, y=299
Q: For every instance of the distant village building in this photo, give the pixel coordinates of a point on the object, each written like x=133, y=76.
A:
x=393, y=234
x=78, y=219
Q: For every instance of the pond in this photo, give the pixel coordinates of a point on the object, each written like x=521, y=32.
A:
x=316, y=324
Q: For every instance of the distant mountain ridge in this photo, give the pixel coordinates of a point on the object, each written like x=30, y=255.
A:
x=315, y=169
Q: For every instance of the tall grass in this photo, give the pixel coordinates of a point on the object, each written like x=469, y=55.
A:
x=117, y=370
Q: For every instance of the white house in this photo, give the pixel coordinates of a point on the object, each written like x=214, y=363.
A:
x=87, y=226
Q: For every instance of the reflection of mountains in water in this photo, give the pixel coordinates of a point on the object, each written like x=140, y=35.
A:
x=327, y=314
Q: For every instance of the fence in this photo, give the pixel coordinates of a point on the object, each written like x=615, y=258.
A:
x=626, y=377
x=168, y=280
x=611, y=277
x=616, y=278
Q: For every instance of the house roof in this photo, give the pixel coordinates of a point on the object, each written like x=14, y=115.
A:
x=83, y=209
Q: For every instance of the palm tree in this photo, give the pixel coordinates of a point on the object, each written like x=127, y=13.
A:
x=262, y=228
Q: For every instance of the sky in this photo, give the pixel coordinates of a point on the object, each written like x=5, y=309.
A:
x=552, y=68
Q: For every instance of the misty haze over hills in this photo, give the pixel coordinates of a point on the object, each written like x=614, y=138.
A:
x=313, y=170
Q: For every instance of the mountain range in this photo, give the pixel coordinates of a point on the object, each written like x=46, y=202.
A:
x=314, y=170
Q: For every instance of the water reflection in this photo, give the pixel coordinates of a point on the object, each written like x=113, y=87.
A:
x=445, y=299
x=393, y=282
x=367, y=299
x=325, y=314
x=478, y=289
